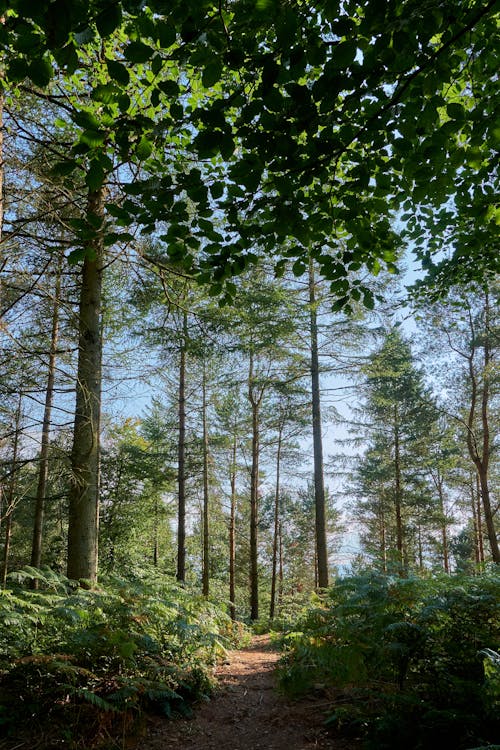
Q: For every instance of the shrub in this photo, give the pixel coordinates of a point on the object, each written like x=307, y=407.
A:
x=408, y=655
x=84, y=659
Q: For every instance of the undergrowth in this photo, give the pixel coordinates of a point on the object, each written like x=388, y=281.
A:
x=89, y=663
x=407, y=662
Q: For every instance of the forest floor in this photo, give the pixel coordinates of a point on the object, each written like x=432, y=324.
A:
x=246, y=712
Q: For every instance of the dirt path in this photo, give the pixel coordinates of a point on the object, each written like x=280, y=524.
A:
x=247, y=713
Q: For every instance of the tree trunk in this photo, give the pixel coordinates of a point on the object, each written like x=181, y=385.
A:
x=398, y=496
x=383, y=537
x=475, y=524
x=444, y=529
x=281, y=566
x=9, y=512
x=255, y=402
x=181, y=462
x=2, y=165
x=84, y=488
x=232, y=536
x=155, y=533
x=480, y=455
x=206, y=525
x=36, y=547
x=480, y=536
x=276, y=525
x=319, y=485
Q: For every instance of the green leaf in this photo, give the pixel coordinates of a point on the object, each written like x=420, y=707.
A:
x=105, y=93
x=177, y=110
x=18, y=69
x=77, y=255
x=455, y=111
x=40, y=72
x=165, y=34
x=368, y=299
x=118, y=72
x=144, y=148
x=217, y=189
x=138, y=52
x=211, y=74
x=170, y=88
x=85, y=119
x=93, y=137
x=298, y=268
x=109, y=19
x=95, y=176
x=344, y=54
x=64, y=168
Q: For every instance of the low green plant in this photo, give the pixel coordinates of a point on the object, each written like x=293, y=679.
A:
x=83, y=659
x=410, y=662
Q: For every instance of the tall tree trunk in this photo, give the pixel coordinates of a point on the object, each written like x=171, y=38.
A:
x=383, y=538
x=475, y=524
x=444, y=528
x=206, y=524
x=155, y=532
x=276, y=525
x=11, y=492
x=420, y=548
x=36, y=547
x=2, y=165
x=181, y=461
x=232, y=536
x=84, y=488
x=281, y=566
x=480, y=455
x=480, y=535
x=398, y=496
x=319, y=482
x=255, y=401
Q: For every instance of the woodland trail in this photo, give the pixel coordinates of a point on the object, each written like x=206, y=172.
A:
x=247, y=713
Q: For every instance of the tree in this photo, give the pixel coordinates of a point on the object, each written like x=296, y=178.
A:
x=36, y=549
x=266, y=334
x=399, y=414
x=137, y=481
x=290, y=422
x=468, y=328
x=388, y=106
x=307, y=130
x=319, y=486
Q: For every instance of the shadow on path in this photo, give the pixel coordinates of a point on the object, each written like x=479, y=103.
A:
x=247, y=713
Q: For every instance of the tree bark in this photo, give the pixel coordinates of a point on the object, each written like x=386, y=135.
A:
x=232, y=536
x=36, y=547
x=84, y=488
x=398, y=495
x=276, y=525
x=383, y=538
x=181, y=461
x=480, y=535
x=10, y=504
x=255, y=401
x=444, y=529
x=281, y=566
x=319, y=485
x=206, y=520
x=155, y=531
x=480, y=454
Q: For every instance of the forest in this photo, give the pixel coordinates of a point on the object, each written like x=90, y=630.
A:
x=249, y=365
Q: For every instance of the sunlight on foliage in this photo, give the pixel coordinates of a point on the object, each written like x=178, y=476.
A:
x=126, y=647
x=407, y=662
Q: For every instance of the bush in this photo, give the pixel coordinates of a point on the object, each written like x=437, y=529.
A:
x=82, y=659
x=408, y=656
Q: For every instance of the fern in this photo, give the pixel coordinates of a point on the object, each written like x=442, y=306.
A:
x=95, y=700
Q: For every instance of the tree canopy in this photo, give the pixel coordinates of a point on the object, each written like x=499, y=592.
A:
x=278, y=128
